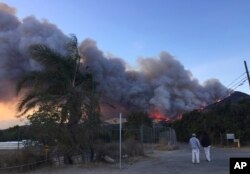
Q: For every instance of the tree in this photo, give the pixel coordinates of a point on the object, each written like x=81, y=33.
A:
x=217, y=121
x=60, y=84
x=136, y=119
x=43, y=122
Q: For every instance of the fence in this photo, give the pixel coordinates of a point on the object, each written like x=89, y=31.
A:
x=135, y=141
x=140, y=136
x=21, y=160
x=24, y=167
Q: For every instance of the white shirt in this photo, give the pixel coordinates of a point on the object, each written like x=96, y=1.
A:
x=194, y=143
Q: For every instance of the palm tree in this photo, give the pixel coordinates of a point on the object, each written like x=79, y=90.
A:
x=59, y=83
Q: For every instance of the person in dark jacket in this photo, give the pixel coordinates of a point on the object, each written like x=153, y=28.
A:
x=206, y=144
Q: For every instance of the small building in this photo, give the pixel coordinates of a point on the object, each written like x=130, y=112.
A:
x=11, y=145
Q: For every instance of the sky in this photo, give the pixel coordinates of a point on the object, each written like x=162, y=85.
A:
x=210, y=38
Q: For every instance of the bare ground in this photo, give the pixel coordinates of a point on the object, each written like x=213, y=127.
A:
x=160, y=162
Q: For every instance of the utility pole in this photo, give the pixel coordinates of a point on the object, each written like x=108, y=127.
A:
x=248, y=77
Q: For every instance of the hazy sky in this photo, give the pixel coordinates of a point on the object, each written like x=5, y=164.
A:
x=210, y=38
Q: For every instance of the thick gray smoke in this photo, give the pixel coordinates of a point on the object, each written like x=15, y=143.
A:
x=15, y=37
x=161, y=83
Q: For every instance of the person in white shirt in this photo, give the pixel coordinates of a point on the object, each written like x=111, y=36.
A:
x=195, y=146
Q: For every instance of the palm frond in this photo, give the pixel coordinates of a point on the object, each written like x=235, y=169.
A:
x=33, y=99
x=47, y=57
x=29, y=106
x=72, y=44
x=27, y=78
x=74, y=56
x=27, y=98
x=59, y=83
x=54, y=62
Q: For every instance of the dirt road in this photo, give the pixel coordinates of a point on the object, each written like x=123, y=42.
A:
x=164, y=162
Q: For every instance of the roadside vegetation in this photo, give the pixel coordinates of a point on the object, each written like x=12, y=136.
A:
x=217, y=122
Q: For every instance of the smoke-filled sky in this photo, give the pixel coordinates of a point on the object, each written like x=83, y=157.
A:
x=176, y=47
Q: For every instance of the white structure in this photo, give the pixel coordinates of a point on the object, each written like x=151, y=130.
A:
x=231, y=136
x=12, y=145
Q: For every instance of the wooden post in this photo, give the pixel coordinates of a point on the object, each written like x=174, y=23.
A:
x=46, y=152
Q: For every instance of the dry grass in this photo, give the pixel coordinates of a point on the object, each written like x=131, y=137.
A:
x=130, y=148
x=19, y=160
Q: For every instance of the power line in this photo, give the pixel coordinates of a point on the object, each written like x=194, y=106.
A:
x=240, y=80
x=229, y=91
x=235, y=80
x=239, y=83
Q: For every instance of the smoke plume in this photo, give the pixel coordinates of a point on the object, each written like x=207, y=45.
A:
x=161, y=83
x=15, y=38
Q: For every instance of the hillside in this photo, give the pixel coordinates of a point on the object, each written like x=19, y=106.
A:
x=234, y=98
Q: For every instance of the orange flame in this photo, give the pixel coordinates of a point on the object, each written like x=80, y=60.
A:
x=158, y=116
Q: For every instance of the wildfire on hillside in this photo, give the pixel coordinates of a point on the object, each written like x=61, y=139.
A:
x=158, y=116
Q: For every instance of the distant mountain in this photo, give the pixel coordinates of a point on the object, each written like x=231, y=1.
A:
x=237, y=96
x=5, y=124
x=233, y=99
